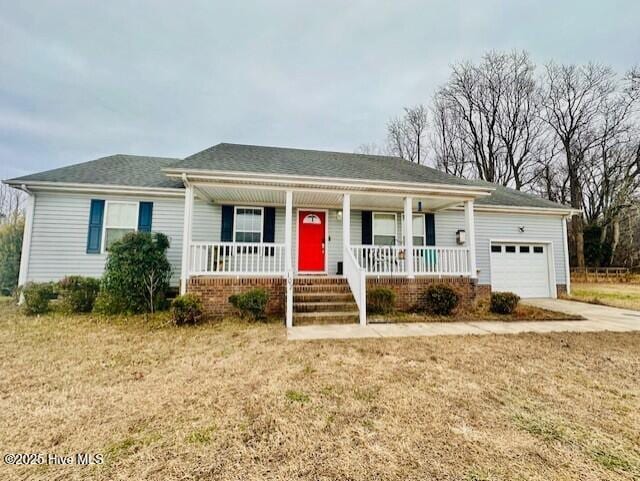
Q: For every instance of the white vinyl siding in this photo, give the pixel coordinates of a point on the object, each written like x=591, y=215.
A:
x=491, y=226
x=60, y=227
x=60, y=223
x=207, y=222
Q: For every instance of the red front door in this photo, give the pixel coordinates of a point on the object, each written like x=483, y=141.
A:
x=311, y=240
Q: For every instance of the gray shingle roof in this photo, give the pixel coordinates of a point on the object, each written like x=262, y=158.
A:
x=119, y=169
x=315, y=163
x=504, y=196
x=142, y=171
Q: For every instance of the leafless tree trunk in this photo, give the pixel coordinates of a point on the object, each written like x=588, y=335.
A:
x=572, y=103
x=406, y=134
x=487, y=117
x=11, y=204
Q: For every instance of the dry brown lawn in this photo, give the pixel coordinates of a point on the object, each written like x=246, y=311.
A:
x=479, y=312
x=625, y=295
x=237, y=401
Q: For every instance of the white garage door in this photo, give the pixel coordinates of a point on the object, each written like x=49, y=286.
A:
x=520, y=268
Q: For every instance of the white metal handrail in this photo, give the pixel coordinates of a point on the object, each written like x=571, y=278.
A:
x=356, y=277
x=218, y=258
x=427, y=260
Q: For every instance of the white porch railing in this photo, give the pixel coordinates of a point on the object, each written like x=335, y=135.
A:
x=450, y=261
x=223, y=258
x=427, y=260
x=356, y=277
x=383, y=260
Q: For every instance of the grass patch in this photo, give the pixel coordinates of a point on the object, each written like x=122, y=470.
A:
x=148, y=397
x=297, y=396
x=200, y=436
x=624, y=295
x=616, y=462
x=544, y=429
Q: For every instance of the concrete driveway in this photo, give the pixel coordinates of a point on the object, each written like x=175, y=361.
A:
x=597, y=318
x=605, y=315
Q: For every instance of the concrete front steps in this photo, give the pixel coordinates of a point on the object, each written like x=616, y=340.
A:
x=323, y=300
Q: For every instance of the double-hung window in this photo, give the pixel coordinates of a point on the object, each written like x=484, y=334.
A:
x=120, y=219
x=384, y=228
x=419, y=231
x=248, y=224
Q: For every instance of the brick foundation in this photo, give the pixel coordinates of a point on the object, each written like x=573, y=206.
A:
x=215, y=291
x=561, y=289
x=483, y=291
x=409, y=291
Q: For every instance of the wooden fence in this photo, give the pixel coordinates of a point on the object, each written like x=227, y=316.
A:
x=601, y=274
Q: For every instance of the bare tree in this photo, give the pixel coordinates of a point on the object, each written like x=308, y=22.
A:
x=572, y=103
x=520, y=128
x=406, y=135
x=449, y=148
x=488, y=120
x=370, y=149
x=11, y=204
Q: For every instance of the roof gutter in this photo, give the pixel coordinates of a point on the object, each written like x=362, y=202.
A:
x=565, y=212
x=78, y=187
x=315, y=180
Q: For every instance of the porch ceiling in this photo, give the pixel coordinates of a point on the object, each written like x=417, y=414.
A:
x=221, y=194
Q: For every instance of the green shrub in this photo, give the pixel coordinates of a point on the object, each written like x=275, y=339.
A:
x=36, y=297
x=186, y=309
x=77, y=293
x=10, y=250
x=252, y=303
x=440, y=299
x=108, y=304
x=503, y=302
x=380, y=300
x=137, y=274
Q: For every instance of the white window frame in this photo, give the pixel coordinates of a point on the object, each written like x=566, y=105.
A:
x=235, y=222
x=395, y=227
x=107, y=203
x=424, y=228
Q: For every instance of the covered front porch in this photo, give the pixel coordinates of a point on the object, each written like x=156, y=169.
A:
x=356, y=233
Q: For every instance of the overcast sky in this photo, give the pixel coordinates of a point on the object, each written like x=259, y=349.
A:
x=84, y=79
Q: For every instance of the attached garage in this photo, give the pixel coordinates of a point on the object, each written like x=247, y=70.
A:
x=525, y=268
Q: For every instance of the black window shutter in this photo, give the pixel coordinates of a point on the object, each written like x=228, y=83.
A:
x=367, y=227
x=94, y=237
x=145, y=215
x=269, y=225
x=226, y=234
x=269, y=228
x=430, y=223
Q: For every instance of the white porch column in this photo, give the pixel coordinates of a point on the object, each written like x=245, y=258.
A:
x=186, y=237
x=26, y=238
x=288, y=256
x=470, y=228
x=408, y=236
x=346, y=221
